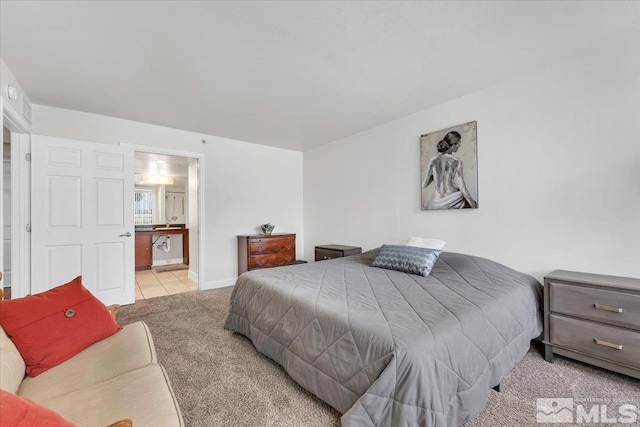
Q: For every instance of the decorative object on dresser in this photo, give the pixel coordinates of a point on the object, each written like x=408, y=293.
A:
x=261, y=251
x=593, y=318
x=267, y=229
x=324, y=252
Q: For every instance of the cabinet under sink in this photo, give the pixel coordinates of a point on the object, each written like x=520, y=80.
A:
x=144, y=243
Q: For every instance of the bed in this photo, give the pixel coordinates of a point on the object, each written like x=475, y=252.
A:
x=387, y=348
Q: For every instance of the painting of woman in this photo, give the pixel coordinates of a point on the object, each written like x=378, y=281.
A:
x=443, y=183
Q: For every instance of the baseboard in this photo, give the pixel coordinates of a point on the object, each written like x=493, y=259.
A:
x=193, y=276
x=218, y=284
x=167, y=261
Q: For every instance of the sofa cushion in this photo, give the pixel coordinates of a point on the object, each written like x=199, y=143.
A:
x=18, y=411
x=128, y=350
x=12, y=366
x=144, y=396
x=53, y=326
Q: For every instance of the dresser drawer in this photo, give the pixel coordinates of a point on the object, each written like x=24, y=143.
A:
x=271, y=246
x=584, y=335
x=264, y=251
x=271, y=260
x=616, y=308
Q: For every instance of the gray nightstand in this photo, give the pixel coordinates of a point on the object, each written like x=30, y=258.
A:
x=593, y=318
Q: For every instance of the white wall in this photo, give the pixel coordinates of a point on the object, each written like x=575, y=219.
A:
x=246, y=184
x=559, y=174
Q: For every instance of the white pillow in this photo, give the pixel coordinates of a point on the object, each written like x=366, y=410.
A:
x=425, y=243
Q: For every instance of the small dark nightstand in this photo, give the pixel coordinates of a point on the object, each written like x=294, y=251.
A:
x=324, y=252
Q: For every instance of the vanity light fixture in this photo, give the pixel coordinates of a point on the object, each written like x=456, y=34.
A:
x=157, y=179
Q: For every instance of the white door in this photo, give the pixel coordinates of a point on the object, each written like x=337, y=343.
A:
x=82, y=217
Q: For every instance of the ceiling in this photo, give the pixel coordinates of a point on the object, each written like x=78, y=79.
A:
x=288, y=74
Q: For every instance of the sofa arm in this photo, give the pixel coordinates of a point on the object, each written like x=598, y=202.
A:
x=122, y=423
x=114, y=312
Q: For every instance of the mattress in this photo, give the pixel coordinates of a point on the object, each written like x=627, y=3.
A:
x=387, y=348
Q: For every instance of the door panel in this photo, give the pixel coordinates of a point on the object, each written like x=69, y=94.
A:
x=110, y=199
x=65, y=157
x=110, y=161
x=110, y=271
x=62, y=262
x=64, y=201
x=82, y=208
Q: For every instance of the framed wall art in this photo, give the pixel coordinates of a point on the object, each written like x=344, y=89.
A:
x=449, y=167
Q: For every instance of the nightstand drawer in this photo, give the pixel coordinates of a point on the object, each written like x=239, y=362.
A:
x=271, y=246
x=616, y=308
x=607, y=342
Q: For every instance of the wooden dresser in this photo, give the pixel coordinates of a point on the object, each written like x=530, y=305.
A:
x=593, y=318
x=324, y=252
x=259, y=251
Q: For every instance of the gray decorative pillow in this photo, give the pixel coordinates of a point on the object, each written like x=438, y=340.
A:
x=408, y=259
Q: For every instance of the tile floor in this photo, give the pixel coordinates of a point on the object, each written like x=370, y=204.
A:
x=150, y=284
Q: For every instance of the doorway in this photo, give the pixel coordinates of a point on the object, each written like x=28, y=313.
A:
x=15, y=207
x=104, y=255
x=6, y=211
x=166, y=218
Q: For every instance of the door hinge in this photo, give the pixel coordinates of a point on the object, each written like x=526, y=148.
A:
x=27, y=157
x=28, y=228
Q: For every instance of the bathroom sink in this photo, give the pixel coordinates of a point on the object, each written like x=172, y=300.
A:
x=160, y=227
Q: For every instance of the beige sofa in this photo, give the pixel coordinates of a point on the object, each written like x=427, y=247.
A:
x=114, y=379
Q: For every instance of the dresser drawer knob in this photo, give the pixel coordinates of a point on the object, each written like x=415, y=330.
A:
x=608, y=308
x=608, y=344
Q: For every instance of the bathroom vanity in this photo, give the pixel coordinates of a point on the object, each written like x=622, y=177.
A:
x=145, y=236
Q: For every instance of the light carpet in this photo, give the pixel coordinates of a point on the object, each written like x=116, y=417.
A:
x=220, y=379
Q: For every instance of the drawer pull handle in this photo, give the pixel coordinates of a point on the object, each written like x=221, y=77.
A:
x=608, y=308
x=608, y=344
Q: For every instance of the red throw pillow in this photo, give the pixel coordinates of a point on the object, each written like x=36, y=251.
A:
x=53, y=326
x=18, y=411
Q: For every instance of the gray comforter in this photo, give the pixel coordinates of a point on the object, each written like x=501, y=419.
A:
x=387, y=348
